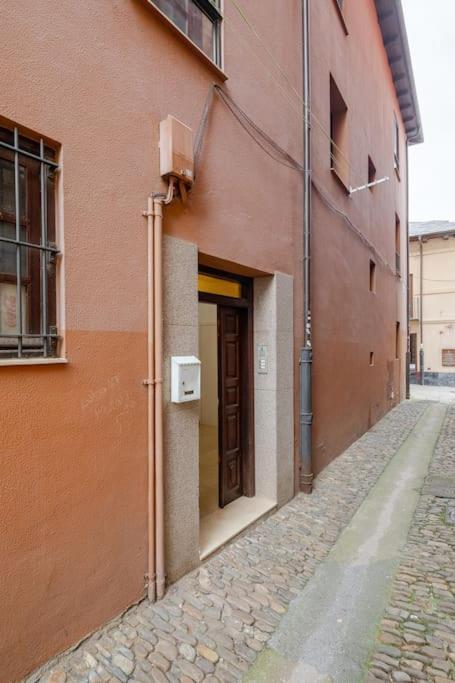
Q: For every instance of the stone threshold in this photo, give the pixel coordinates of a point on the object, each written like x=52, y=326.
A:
x=224, y=524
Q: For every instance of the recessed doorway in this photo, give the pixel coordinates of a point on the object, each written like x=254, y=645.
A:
x=226, y=444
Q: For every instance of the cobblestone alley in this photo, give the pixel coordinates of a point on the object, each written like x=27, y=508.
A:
x=309, y=594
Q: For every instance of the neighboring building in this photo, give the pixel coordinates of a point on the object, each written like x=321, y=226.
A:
x=432, y=302
x=84, y=88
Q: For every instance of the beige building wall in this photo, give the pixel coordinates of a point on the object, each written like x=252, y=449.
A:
x=438, y=302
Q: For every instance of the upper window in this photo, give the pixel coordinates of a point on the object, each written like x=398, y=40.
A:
x=397, y=245
x=372, y=276
x=396, y=144
x=200, y=20
x=371, y=173
x=339, y=140
x=27, y=247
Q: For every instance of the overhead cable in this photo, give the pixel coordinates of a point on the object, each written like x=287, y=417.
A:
x=306, y=108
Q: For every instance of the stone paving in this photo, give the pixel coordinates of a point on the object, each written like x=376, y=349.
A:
x=212, y=624
x=416, y=640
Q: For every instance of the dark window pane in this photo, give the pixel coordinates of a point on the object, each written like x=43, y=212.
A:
x=176, y=11
x=190, y=19
x=28, y=145
x=8, y=251
x=7, y=188
x=51, y=275
x=50, y=205
x=9, y=306
x=31, y=297
x=31, y=279
x=6, y=136
x=200, y=29
x=34, y=202
x=7, y=184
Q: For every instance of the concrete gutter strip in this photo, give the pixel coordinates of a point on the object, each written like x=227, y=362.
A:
x=329, y=630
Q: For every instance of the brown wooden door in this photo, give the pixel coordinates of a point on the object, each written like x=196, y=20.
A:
x=230, y=403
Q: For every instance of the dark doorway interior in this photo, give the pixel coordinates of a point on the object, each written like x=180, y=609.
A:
x=414, y=350
x=234, y=352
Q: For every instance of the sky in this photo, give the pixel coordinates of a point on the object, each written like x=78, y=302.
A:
x=431, y=33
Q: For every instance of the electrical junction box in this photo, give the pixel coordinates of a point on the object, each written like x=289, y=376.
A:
x=185, y=379
x=176, y=150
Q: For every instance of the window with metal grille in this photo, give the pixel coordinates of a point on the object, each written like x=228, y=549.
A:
x=200, y=20
x=28, y=249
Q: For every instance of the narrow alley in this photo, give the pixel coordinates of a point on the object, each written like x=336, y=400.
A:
x=355, y=582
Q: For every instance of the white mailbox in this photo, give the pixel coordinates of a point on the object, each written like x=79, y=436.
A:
x=185, y=379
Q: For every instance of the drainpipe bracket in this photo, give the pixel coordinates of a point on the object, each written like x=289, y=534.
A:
x=306, y=418
x=306, y=355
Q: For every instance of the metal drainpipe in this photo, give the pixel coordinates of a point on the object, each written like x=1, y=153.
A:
x=408, y=308
x=306, y=352
x=154, y=383
x=422, y=354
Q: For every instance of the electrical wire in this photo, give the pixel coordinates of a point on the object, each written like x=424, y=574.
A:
x=199, y=137
x=266, y=47
x=272, y=149
x=356, y=174
x=264, y=139
x=327, y=201
x=267, y=144
x=305, y=106
x=296, y=109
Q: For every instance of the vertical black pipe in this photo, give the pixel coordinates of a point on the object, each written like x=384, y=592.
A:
x=306, y=352
x=422, y=354
x=408, y=302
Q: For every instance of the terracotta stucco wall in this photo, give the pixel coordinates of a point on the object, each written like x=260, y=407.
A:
x=349, y=321
x=97, y=78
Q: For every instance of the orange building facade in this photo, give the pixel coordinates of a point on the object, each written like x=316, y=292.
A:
x=85, y=527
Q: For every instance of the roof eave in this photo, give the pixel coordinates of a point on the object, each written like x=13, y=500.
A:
x=393, y=28
x=431, y=235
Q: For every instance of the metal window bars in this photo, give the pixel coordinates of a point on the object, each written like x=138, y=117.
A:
x=27, y=344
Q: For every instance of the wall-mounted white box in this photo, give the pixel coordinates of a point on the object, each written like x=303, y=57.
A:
x=185, y=379
x=176, y=150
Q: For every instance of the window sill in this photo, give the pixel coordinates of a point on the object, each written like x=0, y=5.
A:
x=340, y=181
x=341, y=16
x=32, y=361
x=180, y=34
